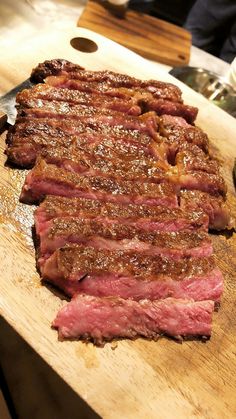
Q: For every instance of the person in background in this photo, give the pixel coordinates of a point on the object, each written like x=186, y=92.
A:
x=212, y=24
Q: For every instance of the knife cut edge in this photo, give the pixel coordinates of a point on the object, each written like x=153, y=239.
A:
x=8, y=101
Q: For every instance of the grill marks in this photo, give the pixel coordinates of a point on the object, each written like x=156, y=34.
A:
x=128, y=199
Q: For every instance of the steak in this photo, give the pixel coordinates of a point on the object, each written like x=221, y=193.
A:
x=75, y=72
x=146, y=123
x=130, y=274
x=103, y=319
x=30, y=137
x=52, y=67
x=110, y=235
x=45, y=179
x=35, y=96
x=148, y=218
x=175, y=131
x=162, y=101
x=166, y=107
x=215, y=207
x=130, y=190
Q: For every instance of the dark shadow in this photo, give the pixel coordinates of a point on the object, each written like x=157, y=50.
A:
x=226, y=233
x=36, y=390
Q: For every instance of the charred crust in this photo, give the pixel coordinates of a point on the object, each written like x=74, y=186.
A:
x=52, y=68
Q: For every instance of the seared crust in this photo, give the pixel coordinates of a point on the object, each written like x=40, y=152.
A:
x=56, y=206
x=52, y=68
x=75, y=261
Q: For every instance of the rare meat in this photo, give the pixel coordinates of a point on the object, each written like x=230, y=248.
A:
x=29, y=138
x=33, y=97
x=103, y=319
x=146, y=123
x=130, y=274
x=52, y=67
x=166, y=107
x=175, y=131
x=110, y=235
x=143, y=97
x=148, y=218
x=45, y=179
x=113, y=80
x=213, y=184
x=93, y=164
x=215, y=207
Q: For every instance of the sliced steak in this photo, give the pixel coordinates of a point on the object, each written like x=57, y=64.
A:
x=129, y=274
x=52, y=67
x=146, y=123
x=166, y=107
x=191, y=158
x=202, y=181
x=214, y=207
x=114, y=81
x=103, y=319
x=110, y=235
x=162, y=102
x=45, y=179
x=92, y=164
x=33, y=97
x=175, y=130
x=30, y=137
x=142, y=216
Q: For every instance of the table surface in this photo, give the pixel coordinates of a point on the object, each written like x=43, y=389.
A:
x=20, y=21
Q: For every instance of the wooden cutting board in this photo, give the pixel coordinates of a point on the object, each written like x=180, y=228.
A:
x=148, y=36
x=139, y=379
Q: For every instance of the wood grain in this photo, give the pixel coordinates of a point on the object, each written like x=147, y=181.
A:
x=138, y=379
x=148, y=36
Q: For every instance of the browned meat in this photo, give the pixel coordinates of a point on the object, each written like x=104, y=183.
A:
x=202, y=181
x=162, y=102
x=130, y=274
x=32, y=98
x=133, y=191
x=45, y=179
x=30, y=137
x=92, y=164
x=142, y=216
x=146, y=123
x=166, y=107
x=52, y=67
x=74, y=262
x=190, y=157
x=214, y=207
x=113, y=80
x=110, y=235
x=103, y=319
x=176, y=131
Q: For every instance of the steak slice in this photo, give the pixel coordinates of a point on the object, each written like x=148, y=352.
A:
x=30, y=137
x=45, y=179
x=175, y=130
x=162, y=102
x=214, y=207
x=129, y=274
x=146, y=123
x=142, y=216
x=103, y=319
x=158, y=89
x=202, y=181
x=166, y=107
x=33, y=97
x=92, y=164
x=110, y=235
x=51, y=67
